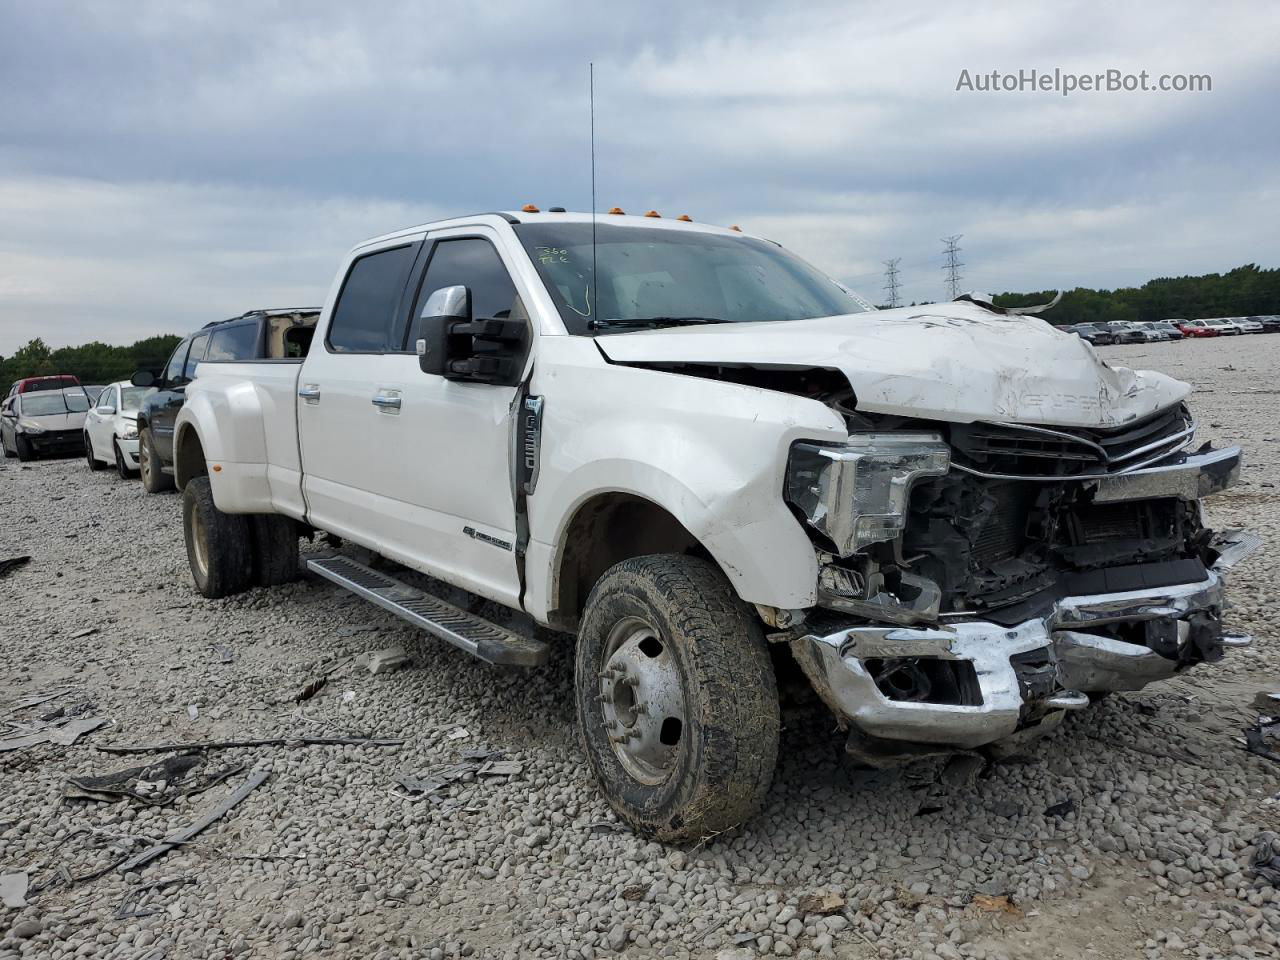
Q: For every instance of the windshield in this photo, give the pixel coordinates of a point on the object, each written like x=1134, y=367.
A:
x=131, y=397
x=674, y=275
x=49, y=404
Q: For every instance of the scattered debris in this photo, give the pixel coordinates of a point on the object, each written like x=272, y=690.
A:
x=995, y=904
x=193, y=711
x=962, y=769
x=1006, y=808
x=1265, y=861
x=500, y=768
x=430, y=784
x=223, y=653
x=823, y=903
x=86, y=632
x=13, y=890
x=131, y=906
x=385, y=660
x=1060, y=810
x=635, y=893
x=1267, y=703
x=155, y=784
x=928, y=809
x=11, y=564
x=35, y=699
x=459, y=733
x=311, y=689
x=256, y=779
x=266, y=742
x=63, y=731
x=1258, y=738
x=348, y=696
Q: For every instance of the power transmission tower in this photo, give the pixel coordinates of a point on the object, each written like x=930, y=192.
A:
x=891, y=279
x=953, y=265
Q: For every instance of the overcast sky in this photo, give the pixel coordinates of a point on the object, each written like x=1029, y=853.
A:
x=163, y=164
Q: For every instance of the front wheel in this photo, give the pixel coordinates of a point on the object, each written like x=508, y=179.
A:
x=94, y=462
x=218, y=544
x=122, y=466
x=25, y=451
x=677, y=703
x=154, y=479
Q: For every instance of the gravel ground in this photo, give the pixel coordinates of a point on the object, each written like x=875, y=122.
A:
x=1148, y=858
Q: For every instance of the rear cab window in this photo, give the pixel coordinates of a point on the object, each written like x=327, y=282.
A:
x=367, y=305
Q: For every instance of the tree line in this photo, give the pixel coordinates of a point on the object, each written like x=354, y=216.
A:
x=94, y=362
x=1246, y=291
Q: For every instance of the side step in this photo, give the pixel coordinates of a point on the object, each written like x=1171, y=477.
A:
x=477, y=636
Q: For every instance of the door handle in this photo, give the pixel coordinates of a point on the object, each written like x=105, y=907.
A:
x=384, y=401
x=310, y=393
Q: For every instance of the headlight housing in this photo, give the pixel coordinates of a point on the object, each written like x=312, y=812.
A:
x=856, y=493
x=129, y=431
x=30, y=426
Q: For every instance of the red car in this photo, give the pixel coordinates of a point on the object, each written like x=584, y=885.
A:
x=59, y=381
x=1195, y=328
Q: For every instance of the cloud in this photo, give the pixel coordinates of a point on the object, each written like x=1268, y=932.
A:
x=164, y=164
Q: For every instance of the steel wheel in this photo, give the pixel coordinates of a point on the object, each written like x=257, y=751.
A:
x=642, y=700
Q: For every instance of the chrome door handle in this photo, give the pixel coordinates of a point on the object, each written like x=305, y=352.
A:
x=310, y=392
x=384, y=401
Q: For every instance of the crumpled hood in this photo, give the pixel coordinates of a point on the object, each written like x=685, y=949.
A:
x=57, y=421
x=956, y=361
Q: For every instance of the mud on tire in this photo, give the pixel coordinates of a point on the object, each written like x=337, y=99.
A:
x=718, y=674
x=218, y=544
x=275, y=549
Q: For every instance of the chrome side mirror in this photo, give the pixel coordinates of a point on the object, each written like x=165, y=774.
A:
x=444, y=308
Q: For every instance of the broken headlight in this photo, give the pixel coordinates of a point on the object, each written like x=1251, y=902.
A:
x=856, y=493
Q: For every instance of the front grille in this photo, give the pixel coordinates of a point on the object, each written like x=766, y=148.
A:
x=1018, y=451
x=1003, y=533
x=1103, y=522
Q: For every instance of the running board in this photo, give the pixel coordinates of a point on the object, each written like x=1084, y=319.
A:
x=477, y=636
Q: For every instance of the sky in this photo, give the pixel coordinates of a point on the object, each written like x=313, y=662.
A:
x=163, y=164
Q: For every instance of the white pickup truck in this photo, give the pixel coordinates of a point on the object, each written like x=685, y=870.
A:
x=708, y=462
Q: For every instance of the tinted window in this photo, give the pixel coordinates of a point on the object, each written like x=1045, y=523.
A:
x=195, y=356
x=366, y=307
x=236, y=342
x=473, y=263
x=173, y=372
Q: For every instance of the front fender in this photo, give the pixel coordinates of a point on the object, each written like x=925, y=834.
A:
x=713, y=454
x=225, y=416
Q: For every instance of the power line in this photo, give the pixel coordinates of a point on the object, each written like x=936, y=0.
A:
x=952, y=266
x=891, y=279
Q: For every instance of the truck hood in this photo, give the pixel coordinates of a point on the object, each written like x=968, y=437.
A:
x=956, y=361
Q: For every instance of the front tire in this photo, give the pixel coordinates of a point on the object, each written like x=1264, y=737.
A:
x=25, y=453
x=154, y=479
x=218, y=544
x=126, y=472
x=94, y=462
x=677, y=702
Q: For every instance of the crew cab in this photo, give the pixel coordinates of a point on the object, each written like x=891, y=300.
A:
x=701, y=460
x=278, y=334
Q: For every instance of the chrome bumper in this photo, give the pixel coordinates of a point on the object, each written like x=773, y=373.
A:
x=1075, y=660
x=1188, y=476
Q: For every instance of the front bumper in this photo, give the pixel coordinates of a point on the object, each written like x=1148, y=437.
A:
x=129, y=450
x=56, y=441
x=1013, y=678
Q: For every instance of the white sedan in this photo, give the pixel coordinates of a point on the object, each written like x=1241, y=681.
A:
x=111, y=428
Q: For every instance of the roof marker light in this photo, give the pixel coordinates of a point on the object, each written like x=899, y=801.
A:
x=736, y=227
x=653, y=213
x=616, y=211
x=555, y=209
x=685, y=217
x=529, y=208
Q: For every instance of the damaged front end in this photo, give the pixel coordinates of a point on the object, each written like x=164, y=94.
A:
x=978, y=580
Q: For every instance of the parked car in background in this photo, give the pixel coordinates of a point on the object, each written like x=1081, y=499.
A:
x=111, y=428
x=1224, y=326
x=255, y=335
x=1170, y=329
x=1269, y=324
x=57, y=381
x=1195, y=328
x=1125, y=332
x=1248, y=324
x=1095, y=333
x=38, y=422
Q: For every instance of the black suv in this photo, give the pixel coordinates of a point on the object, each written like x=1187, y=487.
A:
x=256, y=335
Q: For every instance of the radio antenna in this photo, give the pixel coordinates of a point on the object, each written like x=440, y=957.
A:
x=591, y=101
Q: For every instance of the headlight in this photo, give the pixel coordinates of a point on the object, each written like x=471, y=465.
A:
x=856, y=493
x=129, y=431
x=30, y=426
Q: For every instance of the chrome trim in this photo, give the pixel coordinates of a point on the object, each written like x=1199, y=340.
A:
x=1195, y=476
x=386, y=401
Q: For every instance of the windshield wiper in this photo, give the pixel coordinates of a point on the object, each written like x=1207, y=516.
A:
x=633, y=322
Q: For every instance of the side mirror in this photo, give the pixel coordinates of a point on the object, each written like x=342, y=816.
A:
x=105, y=411
x=143, y=378
x=453, y=345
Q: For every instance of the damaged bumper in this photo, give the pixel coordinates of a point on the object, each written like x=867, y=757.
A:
x=911, y=690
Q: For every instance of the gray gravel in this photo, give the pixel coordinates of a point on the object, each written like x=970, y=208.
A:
x=327, y=858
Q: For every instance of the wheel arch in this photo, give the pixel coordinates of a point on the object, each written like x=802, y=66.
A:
x=189, y=460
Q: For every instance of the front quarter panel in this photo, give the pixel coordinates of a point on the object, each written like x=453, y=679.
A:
x=713, y=454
